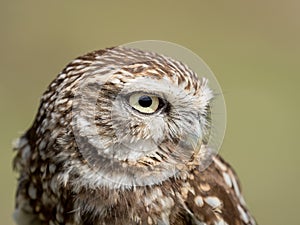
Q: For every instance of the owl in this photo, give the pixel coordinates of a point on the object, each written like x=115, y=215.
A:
x=121, y=137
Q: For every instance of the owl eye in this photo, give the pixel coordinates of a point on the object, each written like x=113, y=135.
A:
x=145, y=103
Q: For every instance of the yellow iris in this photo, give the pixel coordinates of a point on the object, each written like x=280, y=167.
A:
x=144, y=103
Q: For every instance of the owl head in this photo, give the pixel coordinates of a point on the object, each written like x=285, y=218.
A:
x=138, y=118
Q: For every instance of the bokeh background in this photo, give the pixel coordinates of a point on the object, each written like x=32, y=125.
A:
x=252, y=47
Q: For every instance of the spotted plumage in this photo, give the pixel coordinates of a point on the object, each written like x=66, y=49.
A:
x=121, y=138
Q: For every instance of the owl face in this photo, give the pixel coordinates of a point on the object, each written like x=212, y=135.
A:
x=143, y=115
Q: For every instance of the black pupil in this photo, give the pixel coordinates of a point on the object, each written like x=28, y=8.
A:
x=145, y=101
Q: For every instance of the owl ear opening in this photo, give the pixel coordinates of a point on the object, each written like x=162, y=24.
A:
x=206, y=93
x=206, y=97
x=206, y=125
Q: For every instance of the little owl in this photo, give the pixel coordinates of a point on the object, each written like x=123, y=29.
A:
x=121, y=137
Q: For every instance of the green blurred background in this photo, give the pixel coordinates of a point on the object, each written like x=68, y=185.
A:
x=252, y=47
